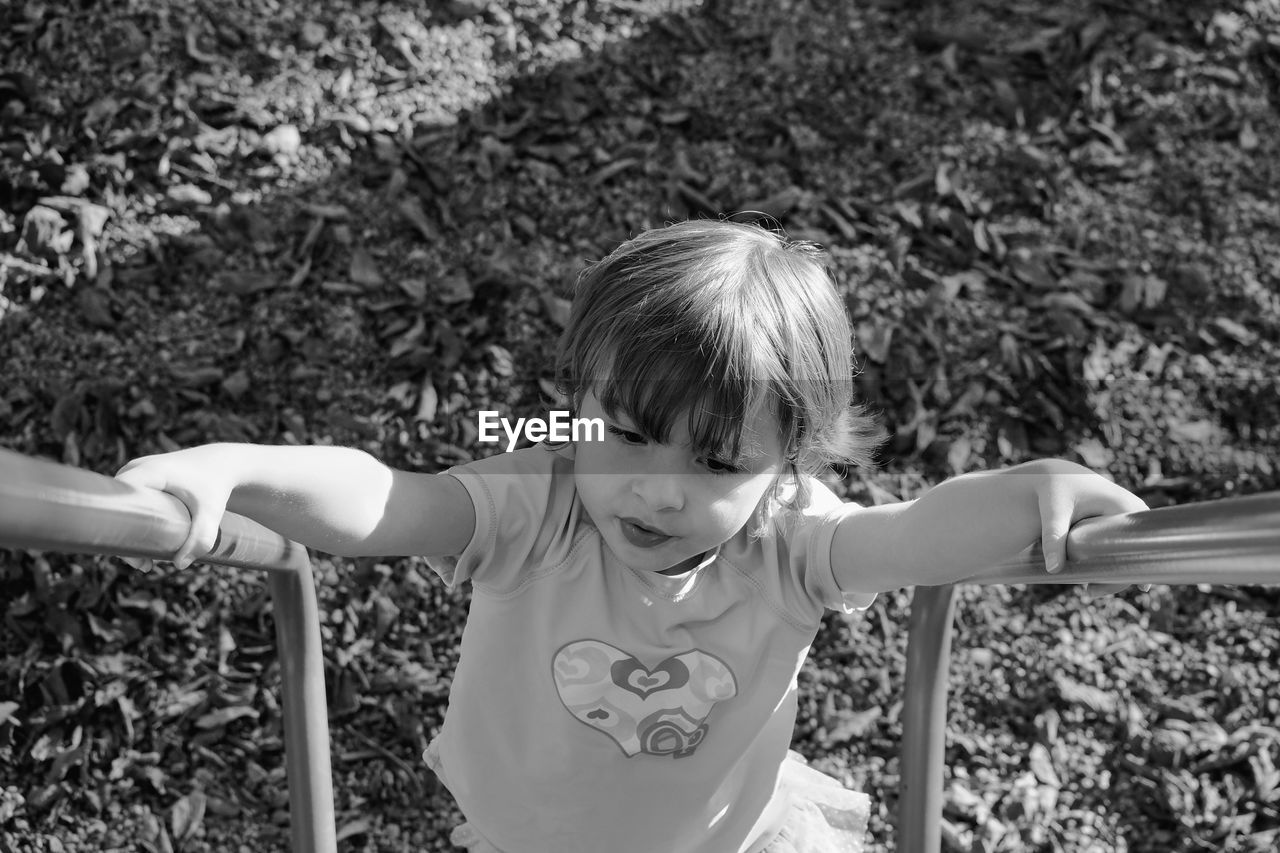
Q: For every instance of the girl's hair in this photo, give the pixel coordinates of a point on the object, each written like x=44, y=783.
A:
x=710, y=318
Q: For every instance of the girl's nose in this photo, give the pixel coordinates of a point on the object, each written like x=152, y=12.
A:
x=659, y=491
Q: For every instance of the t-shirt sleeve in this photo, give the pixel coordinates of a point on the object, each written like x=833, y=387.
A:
x=810, y=552
x=522, y=502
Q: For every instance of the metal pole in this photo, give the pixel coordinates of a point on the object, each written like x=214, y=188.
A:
x=52, y=507
x=1235, y=541
x=1232, y=541
x=924, y=719
x=306, y=718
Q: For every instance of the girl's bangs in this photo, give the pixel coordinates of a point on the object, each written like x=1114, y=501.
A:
x=653, y=387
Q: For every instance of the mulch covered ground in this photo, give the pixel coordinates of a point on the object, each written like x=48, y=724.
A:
x=357, y=222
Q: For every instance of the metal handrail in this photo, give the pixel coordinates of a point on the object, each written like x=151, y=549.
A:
x=1233, y=541
x=44, y=505
x=52, y=507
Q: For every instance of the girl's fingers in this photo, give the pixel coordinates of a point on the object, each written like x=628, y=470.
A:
x=1111, y=500
x=203, y=532
x=138, y=564
x=198, y=489
x=1055, y=522
x=128, y=466
x=145, y=565
x=200, y=540
x=1060, y=508
x=142, y=472
x=204, y=524
x=1098, y=590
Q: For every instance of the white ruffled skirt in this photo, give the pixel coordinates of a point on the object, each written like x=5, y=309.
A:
x=824, y=816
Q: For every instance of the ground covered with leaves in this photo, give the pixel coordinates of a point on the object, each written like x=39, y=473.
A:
x=358, y=222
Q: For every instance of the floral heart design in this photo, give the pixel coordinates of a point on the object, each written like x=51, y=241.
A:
x=658, y=710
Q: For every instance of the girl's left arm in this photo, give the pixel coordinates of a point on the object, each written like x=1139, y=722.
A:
x=972, y=522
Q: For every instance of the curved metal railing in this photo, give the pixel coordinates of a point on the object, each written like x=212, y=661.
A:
x=1233, y=541
x=52, y=507
x=48, y=506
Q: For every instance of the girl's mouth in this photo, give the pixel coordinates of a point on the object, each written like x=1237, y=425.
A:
x=641, y=536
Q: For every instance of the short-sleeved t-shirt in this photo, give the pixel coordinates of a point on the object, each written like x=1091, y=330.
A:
x=599, y=708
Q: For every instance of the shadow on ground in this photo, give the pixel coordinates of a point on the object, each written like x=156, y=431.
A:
x=360, y=223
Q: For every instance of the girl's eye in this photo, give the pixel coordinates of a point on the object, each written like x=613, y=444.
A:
x=719, y=466
x=626, y=435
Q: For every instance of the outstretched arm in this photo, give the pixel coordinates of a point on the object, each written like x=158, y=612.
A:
x=971, y=522
x=334, y=499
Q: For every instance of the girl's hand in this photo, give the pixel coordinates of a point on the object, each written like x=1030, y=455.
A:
x=1070, y=493
x=200, y=480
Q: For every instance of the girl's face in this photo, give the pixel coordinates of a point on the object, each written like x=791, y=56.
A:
x=660, y=507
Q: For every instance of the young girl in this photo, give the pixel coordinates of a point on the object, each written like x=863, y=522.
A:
x=643, y=599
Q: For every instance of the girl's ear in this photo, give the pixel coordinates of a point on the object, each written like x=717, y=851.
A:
x=557, y=398
x=572, y=399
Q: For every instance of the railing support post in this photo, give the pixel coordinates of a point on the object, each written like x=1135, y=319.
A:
x=306, y=720
x=924, y=719
x=47, y=506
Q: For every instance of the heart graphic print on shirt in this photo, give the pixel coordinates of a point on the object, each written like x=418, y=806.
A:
x=659, y=710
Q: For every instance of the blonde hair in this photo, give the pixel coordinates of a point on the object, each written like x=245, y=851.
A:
x=709, y=318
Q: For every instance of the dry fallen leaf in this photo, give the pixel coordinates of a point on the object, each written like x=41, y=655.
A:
x=282, y=141
x=557, y=309
x=364, y=270
x=1041, y=764
x=95, y=307
x=223, y=716
x=186, y=816
x=851, y=725
x=411, y=208
x=243, y=283
x=1075, y=693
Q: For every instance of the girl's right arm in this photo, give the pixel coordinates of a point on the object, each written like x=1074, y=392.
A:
x=334, y=499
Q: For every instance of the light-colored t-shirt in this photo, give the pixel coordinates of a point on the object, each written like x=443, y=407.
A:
x=599, y=709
